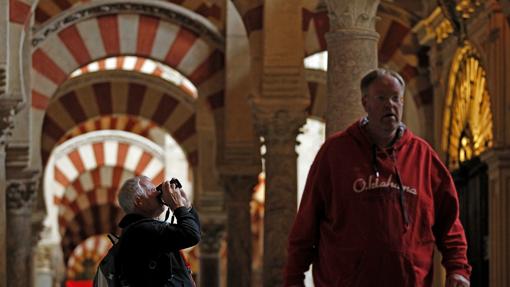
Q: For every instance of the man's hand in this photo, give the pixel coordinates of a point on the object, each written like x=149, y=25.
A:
x=173, y=196
x=456, y=280
x=183, y=195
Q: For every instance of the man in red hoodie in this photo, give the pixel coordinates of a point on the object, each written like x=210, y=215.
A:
x=376, y=201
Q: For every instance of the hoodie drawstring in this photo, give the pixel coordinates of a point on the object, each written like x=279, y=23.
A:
x=402, y=199
x=374, y=160
x=403, y=207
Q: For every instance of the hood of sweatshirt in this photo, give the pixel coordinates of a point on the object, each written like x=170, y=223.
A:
x=358, y=131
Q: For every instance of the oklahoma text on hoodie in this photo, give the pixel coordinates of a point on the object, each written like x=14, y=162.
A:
x=351, y=223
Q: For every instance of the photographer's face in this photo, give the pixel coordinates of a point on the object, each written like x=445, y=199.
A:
x=384, y=103
x=150, y=203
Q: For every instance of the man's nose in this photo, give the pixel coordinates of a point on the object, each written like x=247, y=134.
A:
x=388, y=103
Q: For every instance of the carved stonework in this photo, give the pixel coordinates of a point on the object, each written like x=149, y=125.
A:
x=20, y=196
x=280, y=129
x=212, y=235
x=7, y=112
x=348, y=14
x=435, y=28
x=98, y=9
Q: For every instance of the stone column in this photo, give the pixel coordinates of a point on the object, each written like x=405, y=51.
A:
x=3, y=220
x=279, y=130
x=212, y=236
x=4, y=20
x=7, y=109
x=352, y=51
x=239, y=190
x=20, y=199
x=498, y=161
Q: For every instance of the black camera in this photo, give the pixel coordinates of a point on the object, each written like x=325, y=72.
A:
x=159, y=188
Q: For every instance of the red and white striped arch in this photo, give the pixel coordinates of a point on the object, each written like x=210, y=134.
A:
x=99, y=98
x=47, y=9
x=132, y=124
x=78, y=169
x=141, y=65
x=123, y=34
x=112, y=35
x=87, y=177
x=93, y=248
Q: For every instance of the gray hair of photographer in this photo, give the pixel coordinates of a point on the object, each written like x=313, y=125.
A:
x=140, y=195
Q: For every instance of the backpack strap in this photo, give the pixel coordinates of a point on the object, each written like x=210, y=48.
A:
x=113, y=238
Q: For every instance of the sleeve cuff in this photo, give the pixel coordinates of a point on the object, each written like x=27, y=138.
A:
x=464, y=273
x=181, y=211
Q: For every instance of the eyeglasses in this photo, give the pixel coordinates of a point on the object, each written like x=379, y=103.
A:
x=396, y=99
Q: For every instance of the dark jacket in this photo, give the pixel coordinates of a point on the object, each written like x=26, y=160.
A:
x=351, y=222
x=149, y=250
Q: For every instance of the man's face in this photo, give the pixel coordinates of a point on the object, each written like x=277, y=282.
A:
x=151, y=203
x=384, y=103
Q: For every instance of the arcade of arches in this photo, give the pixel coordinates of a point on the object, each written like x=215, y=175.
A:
x=217, y=92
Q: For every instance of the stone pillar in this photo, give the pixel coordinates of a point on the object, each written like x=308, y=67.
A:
x=4, y=20
x=352, y=51
x=498, y=161
x=279, y=130
x=239, y=190
x=3, y=220
x=20, y=199
x=212, y=236
x=7, y=109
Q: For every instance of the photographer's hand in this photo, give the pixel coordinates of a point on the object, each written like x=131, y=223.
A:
x=172, y=196
x=183, y=194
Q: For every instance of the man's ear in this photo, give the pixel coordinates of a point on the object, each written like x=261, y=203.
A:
x=364, y=102
x=138, y=202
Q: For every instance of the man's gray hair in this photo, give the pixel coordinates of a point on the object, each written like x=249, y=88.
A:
x=128, y=194
x=374, y=74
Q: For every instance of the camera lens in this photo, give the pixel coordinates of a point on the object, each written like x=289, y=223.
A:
x=176, y=182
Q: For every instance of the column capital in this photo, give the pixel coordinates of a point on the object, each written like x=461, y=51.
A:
x=239, y=187
x=20, y=195
x=212, y=237
x=8, y=108
x=279, y=126
x=347, y=14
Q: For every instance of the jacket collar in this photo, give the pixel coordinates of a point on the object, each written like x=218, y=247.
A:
x=129, y=219
x=358, y=132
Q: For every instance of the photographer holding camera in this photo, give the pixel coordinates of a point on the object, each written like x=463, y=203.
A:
x=149, y=250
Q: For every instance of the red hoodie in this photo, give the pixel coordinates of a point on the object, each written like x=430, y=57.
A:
x=351, y=222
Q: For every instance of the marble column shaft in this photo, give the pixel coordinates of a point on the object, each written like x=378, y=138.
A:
x=3, y=220
x=210, y=244
x=20, y=199
x=352, y=52
x=239, y=236
x=498, y=161
x=4, y=20
x=279, y=132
